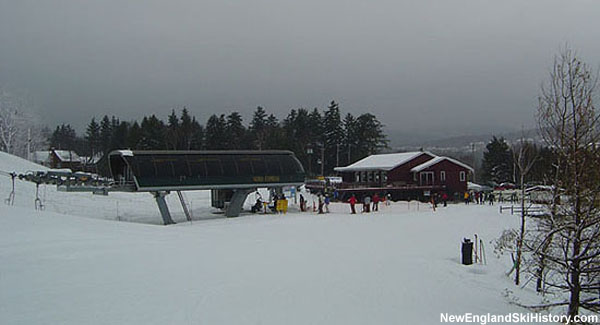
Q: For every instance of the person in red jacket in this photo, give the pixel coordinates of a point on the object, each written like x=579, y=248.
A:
x=375, y=202
x=445, y=199
x=352, y=202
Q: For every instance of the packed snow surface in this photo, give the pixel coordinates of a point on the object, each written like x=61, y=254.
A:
x=400, y=265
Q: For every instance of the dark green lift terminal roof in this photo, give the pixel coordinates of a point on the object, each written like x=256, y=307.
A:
x=242, y=171
x=149, y=171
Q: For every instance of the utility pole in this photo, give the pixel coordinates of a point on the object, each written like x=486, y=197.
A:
x=29, y=144
x=337, y=154
x=473, y=157
x=309, y=151
x=323, y=160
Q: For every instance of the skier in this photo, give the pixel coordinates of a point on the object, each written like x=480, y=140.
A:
x=352, y=202
x=257, y=206
x=320, y=204
x=302, y=203
x=388, y=199
x=491, y=198
x=466, y=197
x=375, y=202
x=445, y=199
x=274, y=207
x=367, y=204
x=327, y=200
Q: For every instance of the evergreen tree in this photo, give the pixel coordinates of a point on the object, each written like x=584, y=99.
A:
x=370, y=135
x=275, y=136
x=497, y=162
x=235, y=132
x=297, y=131
x=64, y=137
x=92, y=138
x=350, y=140
x=197, y=136
x=333, y=134
x=134, y=136
x=257, y=128
x=316, y=141
x=105, y=135
x=215, y=135
x=153, y=134
x=119, y=136
x=172, y=138
x=543, y=171
x=186, y=130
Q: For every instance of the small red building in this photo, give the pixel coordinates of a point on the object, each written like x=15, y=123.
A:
x=59, y=159
x=407, y=175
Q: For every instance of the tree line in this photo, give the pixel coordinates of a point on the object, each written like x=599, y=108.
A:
x=321, y=140
x=500, y=162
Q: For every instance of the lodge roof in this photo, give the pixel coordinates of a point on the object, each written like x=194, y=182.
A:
x=387, y=162
x=438, y=160
x=384, y=162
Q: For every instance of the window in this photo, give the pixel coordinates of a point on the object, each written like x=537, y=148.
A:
x=443, y=176
x=426, y=178
x=197, y=167
x=289, y=165
x=228, y=165
x=244, y=166
x=213, y=166
x=258, y=166
x=273, y=165
x=463, y=176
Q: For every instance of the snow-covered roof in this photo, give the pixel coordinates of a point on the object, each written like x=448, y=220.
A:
x=382, y=162
x=67, y=155
x=127, y=153
x=476, y=187
x=546, y=188
x=473, y=186
x=90, y=160
x=437, y=160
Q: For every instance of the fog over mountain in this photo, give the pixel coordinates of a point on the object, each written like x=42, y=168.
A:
x=425, y=68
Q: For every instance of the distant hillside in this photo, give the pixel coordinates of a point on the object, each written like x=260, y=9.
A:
x=399, y=139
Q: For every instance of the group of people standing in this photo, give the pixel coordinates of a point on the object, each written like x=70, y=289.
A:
x=323, y=203
x=480, y=197
x=368, y=203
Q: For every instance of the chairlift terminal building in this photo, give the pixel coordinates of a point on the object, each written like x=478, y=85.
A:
x=231, y=175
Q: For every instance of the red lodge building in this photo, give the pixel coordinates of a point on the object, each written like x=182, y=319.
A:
x=407, y=175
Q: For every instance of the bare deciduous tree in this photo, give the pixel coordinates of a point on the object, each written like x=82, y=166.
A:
x=569, y=123
x=524, y=159
x=19, y=130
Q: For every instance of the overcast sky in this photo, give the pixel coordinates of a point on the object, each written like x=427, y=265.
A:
x=450, y=66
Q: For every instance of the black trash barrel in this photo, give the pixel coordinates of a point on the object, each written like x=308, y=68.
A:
x=467, y=252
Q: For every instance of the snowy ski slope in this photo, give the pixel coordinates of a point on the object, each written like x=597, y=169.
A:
x=396, y=266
